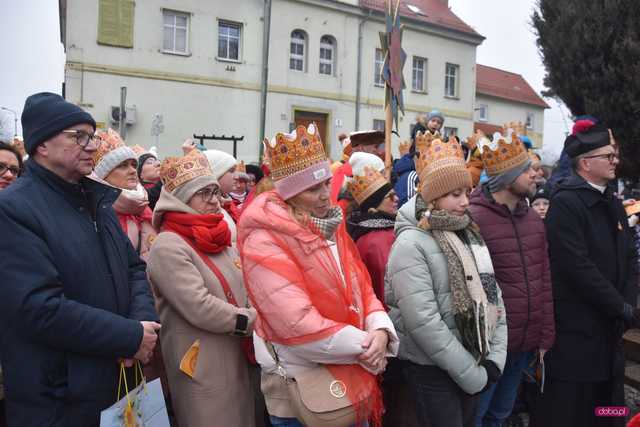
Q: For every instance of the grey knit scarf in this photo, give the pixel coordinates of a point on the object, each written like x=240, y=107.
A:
x=471, y=277
x=328, y=226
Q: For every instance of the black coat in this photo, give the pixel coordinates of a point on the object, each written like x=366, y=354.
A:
x=591, y=250
x=73, y=292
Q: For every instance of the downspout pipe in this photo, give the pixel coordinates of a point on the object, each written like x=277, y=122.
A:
x=266, y=34
x=359, y=69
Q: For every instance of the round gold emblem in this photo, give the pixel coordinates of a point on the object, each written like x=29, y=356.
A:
x=238, y=264
x=338, y=389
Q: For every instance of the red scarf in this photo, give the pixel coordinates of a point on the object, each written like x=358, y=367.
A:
x=232, y=210
x=145, y=216
x=209, y=232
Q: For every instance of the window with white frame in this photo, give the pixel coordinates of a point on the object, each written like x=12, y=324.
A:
x=379, y=62
x=229, y=36
x=530, y=121
x=297, y=50
x=451, y=80
x=419, y=74
x=327, y=55
x=483, y=112
x=175, y=32
x=378, y=124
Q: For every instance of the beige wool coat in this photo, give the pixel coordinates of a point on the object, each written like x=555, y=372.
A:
x=192, y=306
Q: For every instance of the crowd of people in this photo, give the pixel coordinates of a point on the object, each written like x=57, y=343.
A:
x=299, y=291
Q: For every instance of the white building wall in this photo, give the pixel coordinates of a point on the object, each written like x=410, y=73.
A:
x=199, y=93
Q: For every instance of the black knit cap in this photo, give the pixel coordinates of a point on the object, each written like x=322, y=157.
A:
x=143, y=158
x=45, y=114
x=543, y=192
x=583, y=142
x=374, y=200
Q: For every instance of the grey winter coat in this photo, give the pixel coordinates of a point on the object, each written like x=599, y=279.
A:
x=420, y=302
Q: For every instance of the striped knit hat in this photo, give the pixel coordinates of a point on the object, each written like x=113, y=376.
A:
x=442, y=169
x=110, y=153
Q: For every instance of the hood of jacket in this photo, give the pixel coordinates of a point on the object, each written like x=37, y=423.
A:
x=404, y=164
x=406, y=218
x=169, y=203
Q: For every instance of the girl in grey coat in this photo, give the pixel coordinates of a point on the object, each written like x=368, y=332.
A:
x=442, y=294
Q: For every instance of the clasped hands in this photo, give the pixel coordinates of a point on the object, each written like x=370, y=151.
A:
x=375, y=349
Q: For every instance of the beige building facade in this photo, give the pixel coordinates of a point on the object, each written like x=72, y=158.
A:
x=198, y=65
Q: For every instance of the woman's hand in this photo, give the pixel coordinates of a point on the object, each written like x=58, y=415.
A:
x=375, y=349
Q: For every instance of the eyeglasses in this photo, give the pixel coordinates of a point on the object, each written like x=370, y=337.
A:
x=15, y=170
x=207, y=194
x=83, y=138
x=611, y=157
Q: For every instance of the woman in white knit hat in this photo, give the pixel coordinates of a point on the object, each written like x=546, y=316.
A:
x=224, y=166
x=116, y=164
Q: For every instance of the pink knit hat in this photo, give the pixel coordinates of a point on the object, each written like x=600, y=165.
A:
x=297, y=161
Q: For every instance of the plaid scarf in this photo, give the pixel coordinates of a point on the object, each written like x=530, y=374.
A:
x=471, y=277
x=327, y=226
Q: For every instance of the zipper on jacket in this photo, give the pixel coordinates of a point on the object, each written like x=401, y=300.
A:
x=526, y=280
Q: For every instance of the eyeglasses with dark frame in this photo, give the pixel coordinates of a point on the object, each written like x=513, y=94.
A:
x=83, y=138
x=207, y=194
x=611, y=157
x=15, y=170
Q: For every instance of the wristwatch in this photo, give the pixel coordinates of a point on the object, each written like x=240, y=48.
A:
x=242, y=323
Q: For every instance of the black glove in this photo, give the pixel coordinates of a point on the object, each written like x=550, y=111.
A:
x=493, y=373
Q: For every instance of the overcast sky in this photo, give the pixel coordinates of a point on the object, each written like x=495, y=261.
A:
x=34, y=58
x=510, y=44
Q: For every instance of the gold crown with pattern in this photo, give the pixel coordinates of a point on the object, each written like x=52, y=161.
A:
x=503, y=153
x=442, y=168
x=364, y=186
x=111, y=140
x=295, y=152
x=518, y=127
x=423, y=141
x=176, y=171
x=139, y=150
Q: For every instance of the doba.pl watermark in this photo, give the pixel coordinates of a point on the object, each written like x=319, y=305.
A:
x=612, y=411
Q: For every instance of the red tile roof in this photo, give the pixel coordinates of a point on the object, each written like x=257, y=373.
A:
x=507, y=85
x=434, y=12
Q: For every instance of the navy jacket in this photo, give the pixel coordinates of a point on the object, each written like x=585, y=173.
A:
x=593, y=267
x=405, y=186
x=73, y=292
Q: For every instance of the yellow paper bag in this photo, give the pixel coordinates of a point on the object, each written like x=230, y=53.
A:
x=190, y=359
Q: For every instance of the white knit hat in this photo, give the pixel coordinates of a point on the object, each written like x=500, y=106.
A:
x=220, y=162
x=359, y=160
x=111, y=153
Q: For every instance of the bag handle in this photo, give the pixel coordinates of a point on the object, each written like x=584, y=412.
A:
x=223, y=282
x=123, y=379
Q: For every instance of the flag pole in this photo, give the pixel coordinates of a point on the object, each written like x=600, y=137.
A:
x=388, y=125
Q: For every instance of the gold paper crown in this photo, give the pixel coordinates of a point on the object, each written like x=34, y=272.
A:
x=404, y=147
x=175, y=171
x=501, y=155
x=293, y=153
x=139, y=150
x=423, y=140
x=439, y=153
x=347, y=151
x=364, y=186
x=241, y=167
x=518, y=127
x=110, y=141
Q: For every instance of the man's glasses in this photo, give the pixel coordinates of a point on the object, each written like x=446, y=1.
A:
x=15, y=170
x=611, y=157
x=207, y=194
x=83, y=138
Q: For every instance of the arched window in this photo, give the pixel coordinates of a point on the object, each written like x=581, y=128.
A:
x=327, y=55
x=298, y=50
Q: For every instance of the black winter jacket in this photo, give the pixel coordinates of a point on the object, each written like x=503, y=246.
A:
x=593, y=267
x=73, y=292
